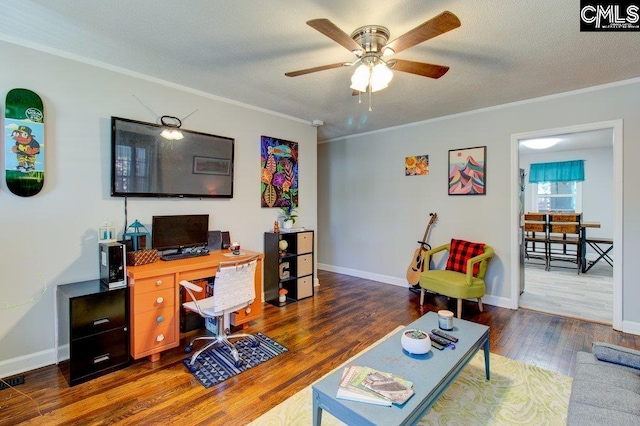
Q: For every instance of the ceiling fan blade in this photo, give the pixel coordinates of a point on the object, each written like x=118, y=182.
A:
x=442, y=23
x=314, y=69
x=329, y=29
x=419, y=68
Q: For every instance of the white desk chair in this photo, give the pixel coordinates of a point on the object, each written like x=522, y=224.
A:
x=233, y=289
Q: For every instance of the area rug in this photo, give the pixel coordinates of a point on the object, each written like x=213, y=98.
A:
x=517, y=394
x=217, y=365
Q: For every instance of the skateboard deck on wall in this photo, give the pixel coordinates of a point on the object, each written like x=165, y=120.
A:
x=24, y=142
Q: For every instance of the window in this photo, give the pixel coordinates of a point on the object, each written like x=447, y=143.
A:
x=557, y=186
x=558, y=196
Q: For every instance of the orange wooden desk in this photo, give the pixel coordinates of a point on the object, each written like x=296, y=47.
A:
x=154, y=299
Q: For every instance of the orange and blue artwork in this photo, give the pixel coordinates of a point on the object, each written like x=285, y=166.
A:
x=467, y=169
x=416, y=165
x=279, y=173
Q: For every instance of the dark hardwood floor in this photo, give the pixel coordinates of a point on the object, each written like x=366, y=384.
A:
x=346, y=315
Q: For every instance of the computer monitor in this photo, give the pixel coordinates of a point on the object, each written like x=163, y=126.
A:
x=179, y=232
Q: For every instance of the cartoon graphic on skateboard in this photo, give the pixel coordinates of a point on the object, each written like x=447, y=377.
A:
x=24, y=142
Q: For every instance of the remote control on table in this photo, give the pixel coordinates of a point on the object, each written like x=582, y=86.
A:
x=439, y=340
x=437, y=345
x=447, y=336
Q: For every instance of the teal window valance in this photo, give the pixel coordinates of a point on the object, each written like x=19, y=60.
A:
x=564, y=171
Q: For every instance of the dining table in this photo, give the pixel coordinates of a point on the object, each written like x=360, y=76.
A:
x=583, y=244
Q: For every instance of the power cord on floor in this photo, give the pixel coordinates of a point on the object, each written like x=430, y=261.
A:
x=21, y=393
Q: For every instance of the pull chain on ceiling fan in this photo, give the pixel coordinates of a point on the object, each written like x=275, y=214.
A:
x=370, y=45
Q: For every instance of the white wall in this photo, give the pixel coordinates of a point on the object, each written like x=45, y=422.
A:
x=371, y=215
x=51, y=238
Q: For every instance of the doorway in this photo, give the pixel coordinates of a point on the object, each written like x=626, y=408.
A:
x=613, y=127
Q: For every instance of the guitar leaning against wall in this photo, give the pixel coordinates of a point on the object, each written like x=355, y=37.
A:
x=417, y=263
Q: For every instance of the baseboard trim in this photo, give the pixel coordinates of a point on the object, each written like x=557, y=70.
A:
x=26, y=363
x=631, y=327
x=401, y=282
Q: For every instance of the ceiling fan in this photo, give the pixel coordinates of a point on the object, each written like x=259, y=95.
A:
x=371, y=46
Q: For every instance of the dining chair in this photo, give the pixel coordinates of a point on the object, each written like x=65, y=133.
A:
x=535, y=237
x=564, y=242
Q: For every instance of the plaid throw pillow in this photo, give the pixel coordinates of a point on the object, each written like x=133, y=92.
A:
x=460, y=252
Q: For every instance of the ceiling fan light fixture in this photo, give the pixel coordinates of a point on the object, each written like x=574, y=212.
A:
x=360, y=78
x=380, y=77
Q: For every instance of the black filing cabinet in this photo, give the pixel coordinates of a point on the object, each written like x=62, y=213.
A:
x=93, y=330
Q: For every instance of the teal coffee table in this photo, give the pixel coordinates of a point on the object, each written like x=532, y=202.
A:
x=431, y=374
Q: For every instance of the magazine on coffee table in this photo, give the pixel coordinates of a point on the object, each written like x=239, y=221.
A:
x=365, y=384
x=353, y=392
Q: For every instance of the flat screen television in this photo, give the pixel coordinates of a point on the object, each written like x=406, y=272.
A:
x=146, y=164
x=179, y=232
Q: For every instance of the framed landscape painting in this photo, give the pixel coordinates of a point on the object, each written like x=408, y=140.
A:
x=467, y=171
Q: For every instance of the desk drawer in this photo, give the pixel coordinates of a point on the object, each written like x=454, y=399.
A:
x=151, y=320
x=241, y=316
x=153, y=284
x=154, y=300
x=162, y=336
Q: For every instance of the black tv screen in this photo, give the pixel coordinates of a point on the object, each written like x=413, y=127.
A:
x=179, y=231
x=146, y=164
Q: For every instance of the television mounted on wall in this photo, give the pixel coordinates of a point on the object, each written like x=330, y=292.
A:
x=146, y=164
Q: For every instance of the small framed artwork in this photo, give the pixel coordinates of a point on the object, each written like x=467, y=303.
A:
x=416, y=165
x=211, y=166
x=467, y=171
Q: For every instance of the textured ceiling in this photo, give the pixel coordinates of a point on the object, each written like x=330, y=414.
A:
x=504, y=51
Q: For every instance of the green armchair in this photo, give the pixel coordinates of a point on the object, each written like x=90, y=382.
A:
x=465, y=283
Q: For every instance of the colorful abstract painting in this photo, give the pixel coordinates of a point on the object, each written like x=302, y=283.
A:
x=467, y=168
x=279, y=174
x=416, y=165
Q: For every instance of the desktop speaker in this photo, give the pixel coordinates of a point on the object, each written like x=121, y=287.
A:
x=215, y=240
x=226, y=239
x=113, y=270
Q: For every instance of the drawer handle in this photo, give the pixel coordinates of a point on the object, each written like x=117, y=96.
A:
x=248, y=310
x=160, y=338
x=159, y=282
x=159, y=300
x=101, y=321
x=101, y=358
x=160, y=318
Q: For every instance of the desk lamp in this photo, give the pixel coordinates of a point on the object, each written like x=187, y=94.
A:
x=138, y=234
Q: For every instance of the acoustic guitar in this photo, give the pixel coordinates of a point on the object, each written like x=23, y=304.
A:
x=417, y=263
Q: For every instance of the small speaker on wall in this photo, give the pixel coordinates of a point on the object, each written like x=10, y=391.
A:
x=226, y=239
x=215, y=240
